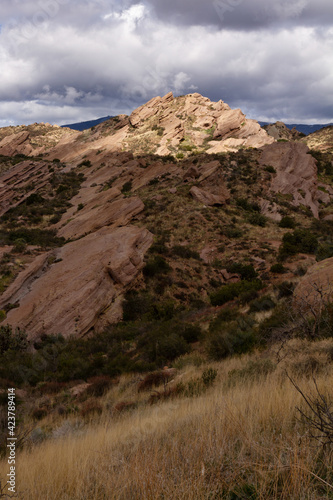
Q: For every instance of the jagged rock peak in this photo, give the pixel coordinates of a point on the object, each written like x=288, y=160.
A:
x=193, y=122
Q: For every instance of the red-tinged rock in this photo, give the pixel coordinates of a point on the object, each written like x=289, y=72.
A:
x=78, y=290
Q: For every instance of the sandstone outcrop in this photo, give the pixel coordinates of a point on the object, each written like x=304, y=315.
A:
x=211, y=189
x=320, y=140
x=296, y=173
x=165, y=125
x=16, y=144
x=74, y=289
x=315, y=288
x=280, y=131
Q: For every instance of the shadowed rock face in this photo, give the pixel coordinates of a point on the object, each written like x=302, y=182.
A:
x=296, y=173
x=315, y=287
x=79, y=290
x=279, y=130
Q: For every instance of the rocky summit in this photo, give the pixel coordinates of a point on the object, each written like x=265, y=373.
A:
x=169, y=204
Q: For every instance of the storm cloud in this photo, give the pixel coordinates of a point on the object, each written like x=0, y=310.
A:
x=68, y=60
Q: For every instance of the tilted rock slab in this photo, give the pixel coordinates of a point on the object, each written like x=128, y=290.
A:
x=212, y=189
x=296, y=172
x=81, y=288
x=316, y=287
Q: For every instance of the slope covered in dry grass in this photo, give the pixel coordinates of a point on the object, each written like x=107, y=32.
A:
x=239, y=439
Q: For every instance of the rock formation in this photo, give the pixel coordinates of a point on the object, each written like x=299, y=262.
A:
x=296, y=173
x=75, y=288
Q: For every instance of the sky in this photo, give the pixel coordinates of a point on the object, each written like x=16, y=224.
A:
x=65, y=61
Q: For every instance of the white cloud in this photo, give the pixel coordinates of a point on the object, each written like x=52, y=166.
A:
x=68, y=68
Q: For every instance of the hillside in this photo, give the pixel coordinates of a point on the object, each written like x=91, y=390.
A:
x=182, y=235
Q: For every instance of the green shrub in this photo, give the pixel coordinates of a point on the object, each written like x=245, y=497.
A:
x=156, y=266
x=20, y=245
x=12, y=340
x=126, y=187
x=233, y=340
x=136, y=305
x=233, y=290
x=253, y=370
x=85, y=163
x=209, y=376
x=265, y=303
x=232, y=232
x=185, y=252
x=270, y=169
x=246, y=271
x=285, y=289
x=324, y=251
x=257, y=220
x=287, y=222
x=301, y=240
x=45, y=238
x=247, y=205
x=278, y=268
x=191, y=333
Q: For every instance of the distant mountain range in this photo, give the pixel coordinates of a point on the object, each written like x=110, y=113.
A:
x=85, y=125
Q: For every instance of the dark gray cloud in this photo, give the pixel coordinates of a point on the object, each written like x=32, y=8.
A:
x=71, y=60
x=245, y=14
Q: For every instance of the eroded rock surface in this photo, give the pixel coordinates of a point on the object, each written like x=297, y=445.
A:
x=315, y=288
x=296, y=173
x=73, y=289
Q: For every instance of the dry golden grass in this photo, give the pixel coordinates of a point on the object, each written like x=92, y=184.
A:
x=236, y=440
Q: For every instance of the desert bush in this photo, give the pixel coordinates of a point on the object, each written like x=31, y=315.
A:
x=257, y=219
x=155, y=379
x=158, y=129
x=247, y=205
x=270, y=169
x=231, y=291
x=39, y=413
x=246, y=271
x=253, y=370
x=20, y=245
x=99, y=385
x=127, y=187
x=209, y=376
x=317, y=414
x=301, y=240
x=191, y=333
x=264, y=303
x=324, y=251
x=287, y=222
x=232, y=231
x=124, y=406
x=236, y=337
x=52, y=387
x=285, y=289
x=91, y=407
x=136, y=305
x=45, y=238
x=155, y=266
x=278, y=268
x=85, y=163
x=185, y=252
x=167, y=393
x=12, y=340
